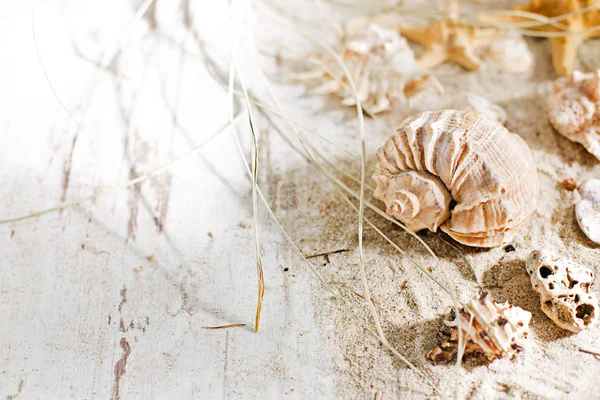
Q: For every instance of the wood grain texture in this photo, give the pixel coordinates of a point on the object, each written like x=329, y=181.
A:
x=108, y=300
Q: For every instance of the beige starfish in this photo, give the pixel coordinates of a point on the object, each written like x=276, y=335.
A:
x=565, y=49
x=450, y=41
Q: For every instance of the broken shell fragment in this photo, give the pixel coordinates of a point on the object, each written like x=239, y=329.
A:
x=587, y=211
x=458, y=171
x=382, y=67
x=563, y=287
x=574, y=109
x=493, y=329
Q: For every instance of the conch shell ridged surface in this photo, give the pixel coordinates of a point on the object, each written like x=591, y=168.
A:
x=460, y=172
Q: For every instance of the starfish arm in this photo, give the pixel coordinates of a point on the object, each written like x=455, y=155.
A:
x=432, y=57
x=466, y=58
x=532, y=6
x=421, y=35
x=564, y=53
x=482, y=37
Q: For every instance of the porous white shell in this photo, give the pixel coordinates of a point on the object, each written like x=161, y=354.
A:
x=459, y=171
x=471, y=101
x=496, y=330
x=574, y=109
x=512, y=53
x=587, y=210
x=563, y=287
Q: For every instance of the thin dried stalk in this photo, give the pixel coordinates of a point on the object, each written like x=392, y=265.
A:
x=259, y=267
x=223, y=326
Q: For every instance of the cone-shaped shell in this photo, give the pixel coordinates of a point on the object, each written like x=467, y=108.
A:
x=476, y=180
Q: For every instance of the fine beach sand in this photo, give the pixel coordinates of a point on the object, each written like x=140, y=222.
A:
x=410, y=305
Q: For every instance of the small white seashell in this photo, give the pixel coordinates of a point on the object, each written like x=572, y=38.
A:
x=587, y=210
x=574, y=109
x=563, y=287
x=459, y=171
x=496, y=330
x=471, y=101
x=512, y=53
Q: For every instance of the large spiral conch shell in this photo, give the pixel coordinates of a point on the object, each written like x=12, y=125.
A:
x=458, y=171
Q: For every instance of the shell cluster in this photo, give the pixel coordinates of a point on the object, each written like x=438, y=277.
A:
x=587, y=210
x=460, y=172
x=563, y=287
x=494, y=329
x=574, y=109
x=381, y=64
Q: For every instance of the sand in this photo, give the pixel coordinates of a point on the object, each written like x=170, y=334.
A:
x=410, y=305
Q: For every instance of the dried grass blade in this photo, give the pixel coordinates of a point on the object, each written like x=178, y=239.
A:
x=233, y=70
x=223, y=326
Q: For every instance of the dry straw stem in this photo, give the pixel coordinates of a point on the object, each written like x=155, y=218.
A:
x=233, y=70
x=540, y=20
x=223, y=326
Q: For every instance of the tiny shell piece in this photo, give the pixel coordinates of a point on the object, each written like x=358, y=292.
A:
x=574, y=109
x=460, y=172
x=496, y=330
x=570, y=184
x=512, y=53
x=587, y=210
x=563, y=287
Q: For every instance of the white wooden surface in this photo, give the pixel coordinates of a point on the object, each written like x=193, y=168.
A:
x=108, y=299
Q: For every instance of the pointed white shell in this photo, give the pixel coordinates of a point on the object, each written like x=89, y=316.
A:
x=574, y=109
x=563, y=287
x=587, y=210
x=470, y=169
